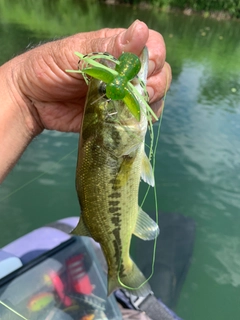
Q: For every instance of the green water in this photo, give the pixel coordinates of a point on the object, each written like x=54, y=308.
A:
x=198, y=158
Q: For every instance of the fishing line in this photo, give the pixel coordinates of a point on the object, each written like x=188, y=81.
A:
x=37, y=177
x=14, y=311
x=155, y=187
x=155, y=195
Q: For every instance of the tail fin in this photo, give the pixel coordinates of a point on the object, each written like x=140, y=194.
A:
x=134, y=282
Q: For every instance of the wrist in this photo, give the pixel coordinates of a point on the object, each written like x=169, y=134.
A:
x=17, y=127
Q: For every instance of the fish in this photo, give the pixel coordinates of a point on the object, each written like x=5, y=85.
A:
x=111, y=162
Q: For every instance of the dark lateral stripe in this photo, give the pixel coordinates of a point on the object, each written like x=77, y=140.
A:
x=118, y=253
x=116, y=187
x=115, y=181
x=115, y=195
x=114, y=209
x=113, y=203
x=116, y=221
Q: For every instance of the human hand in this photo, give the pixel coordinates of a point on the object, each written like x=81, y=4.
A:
x=55, y=98
x=39, y=94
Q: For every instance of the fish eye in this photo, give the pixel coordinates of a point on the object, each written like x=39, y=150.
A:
x=102, y=88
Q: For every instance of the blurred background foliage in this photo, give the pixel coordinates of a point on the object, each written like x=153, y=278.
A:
x=232, y=7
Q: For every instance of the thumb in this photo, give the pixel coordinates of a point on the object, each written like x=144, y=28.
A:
x=117, y=41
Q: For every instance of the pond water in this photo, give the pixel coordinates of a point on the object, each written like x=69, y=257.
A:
x=198, y=157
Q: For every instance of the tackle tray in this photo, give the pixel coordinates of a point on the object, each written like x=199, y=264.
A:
x=59, y=281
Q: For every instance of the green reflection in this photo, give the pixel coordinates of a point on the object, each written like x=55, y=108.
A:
x=54, y=18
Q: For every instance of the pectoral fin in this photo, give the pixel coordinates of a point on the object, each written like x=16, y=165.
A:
x=147, y=171
x=81, y=229
x=146, y=228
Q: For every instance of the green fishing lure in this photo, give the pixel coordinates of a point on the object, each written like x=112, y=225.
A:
x=118, y=81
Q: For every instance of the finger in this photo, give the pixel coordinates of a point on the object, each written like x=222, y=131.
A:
x=158, y=84
x=157, y=52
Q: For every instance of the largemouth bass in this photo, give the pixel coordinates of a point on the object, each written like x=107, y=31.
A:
x=111, y=162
